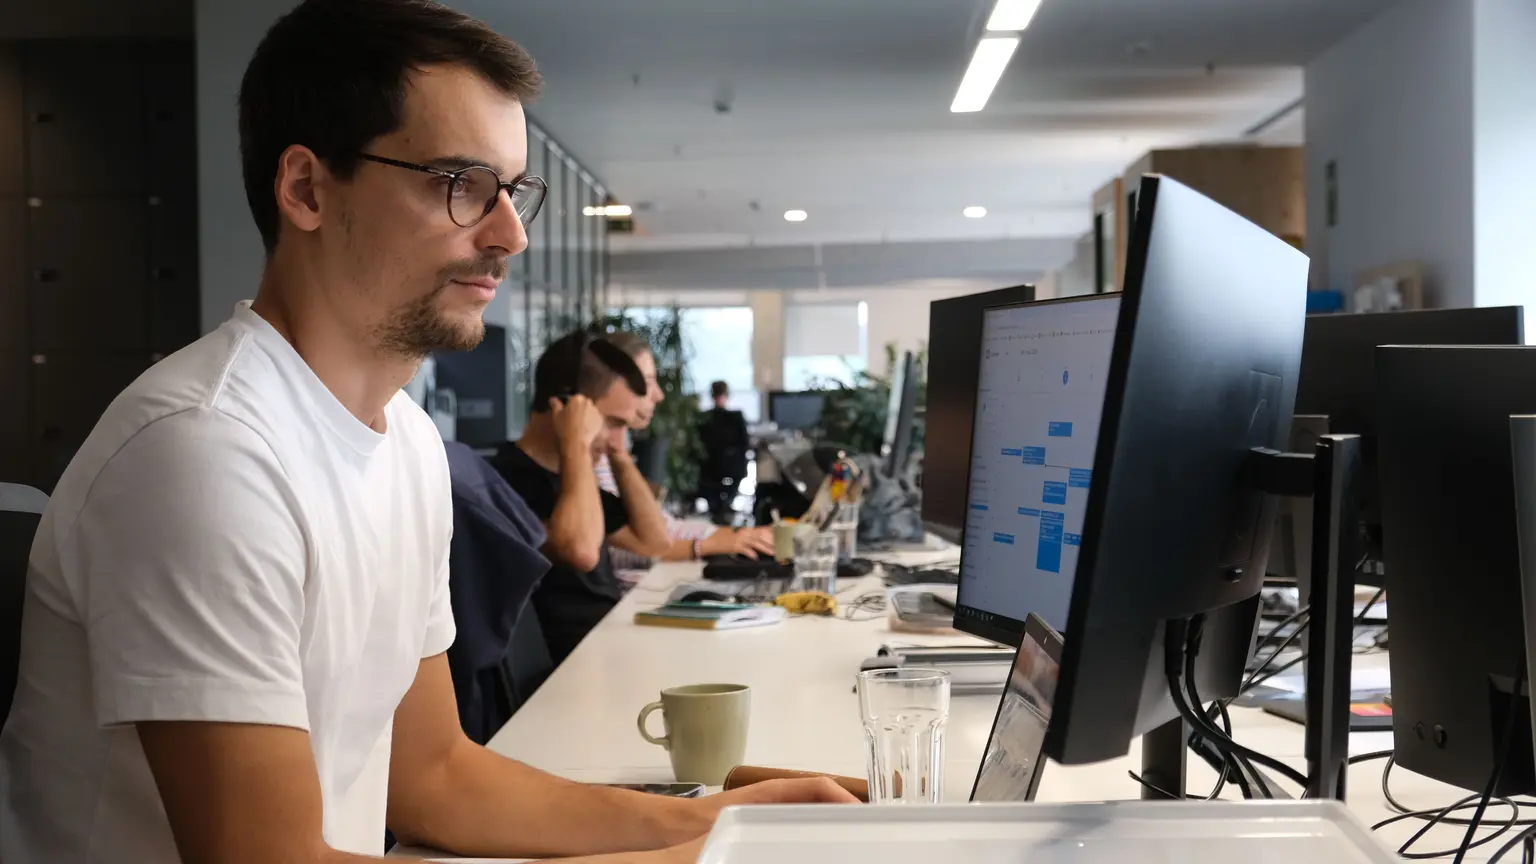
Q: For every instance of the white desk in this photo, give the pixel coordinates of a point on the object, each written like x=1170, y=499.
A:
x=581, y=723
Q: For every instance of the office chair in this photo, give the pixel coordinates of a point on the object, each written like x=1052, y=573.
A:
x=21, y=508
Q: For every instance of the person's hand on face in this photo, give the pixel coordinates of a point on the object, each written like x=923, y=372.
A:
x=748, y=542
x=578, y=423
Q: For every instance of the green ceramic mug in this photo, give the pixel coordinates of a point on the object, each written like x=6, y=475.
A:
x=706, y=729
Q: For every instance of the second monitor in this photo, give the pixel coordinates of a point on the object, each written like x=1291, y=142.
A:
x=1039, y=397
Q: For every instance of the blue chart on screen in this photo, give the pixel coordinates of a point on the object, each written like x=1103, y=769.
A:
x=1036, y=427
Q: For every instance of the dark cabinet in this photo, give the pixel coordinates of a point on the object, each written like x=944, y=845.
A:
x=84, y=118
x=12, y=172
x=98, y=234
x=174, y=306
x=69, y=393
x=13, y=280
x=87, y=260
x=15, y=418
x=170, y=122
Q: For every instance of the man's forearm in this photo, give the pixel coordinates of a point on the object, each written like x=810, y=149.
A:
x=486, y=805
x=576, y=527
x=645, y=518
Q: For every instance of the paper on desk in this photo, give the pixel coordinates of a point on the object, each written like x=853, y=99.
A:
x=1360, y=679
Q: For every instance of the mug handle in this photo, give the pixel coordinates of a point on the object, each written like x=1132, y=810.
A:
x=645, y=714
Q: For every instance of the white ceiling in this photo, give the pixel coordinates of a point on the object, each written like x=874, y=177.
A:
x=840, y=107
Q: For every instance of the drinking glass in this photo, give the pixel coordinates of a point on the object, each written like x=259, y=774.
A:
x=816, y=561
x=845, y=524
x=904, y=712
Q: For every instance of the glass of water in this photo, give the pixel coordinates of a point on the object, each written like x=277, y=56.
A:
x=816, y=561
x=845, y=524
x=904, y=712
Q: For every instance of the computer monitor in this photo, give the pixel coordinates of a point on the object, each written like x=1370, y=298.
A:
x=1338, y=383
x=1203, y=370
x=1039, y=396
x=799, y=411
x=954, y=331
x=900, y=414
x=1448, y=509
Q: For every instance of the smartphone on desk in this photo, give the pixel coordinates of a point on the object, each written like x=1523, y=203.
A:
x=672, y=790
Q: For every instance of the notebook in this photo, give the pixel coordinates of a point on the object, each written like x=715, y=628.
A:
x=711, y=616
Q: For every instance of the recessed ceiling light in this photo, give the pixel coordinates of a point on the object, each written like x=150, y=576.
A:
x=975, y=212
x=987, y=65
x=1012, y=15
x=794, y=215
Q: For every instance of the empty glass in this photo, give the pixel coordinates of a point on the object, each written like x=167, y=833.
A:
x=816, y=561
x=845, y=524
x=904, y=713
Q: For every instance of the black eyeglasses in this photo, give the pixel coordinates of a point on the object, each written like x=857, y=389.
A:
x=472, y=191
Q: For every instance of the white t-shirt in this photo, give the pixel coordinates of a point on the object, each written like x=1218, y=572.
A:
x=230, y=544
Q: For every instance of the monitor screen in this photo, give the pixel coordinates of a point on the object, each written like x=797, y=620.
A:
x=1039, y=396
x=954, y=330
x=796, y=410
x=1010, y=767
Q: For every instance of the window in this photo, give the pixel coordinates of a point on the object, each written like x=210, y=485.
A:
x=825, y=343
x=718, y=341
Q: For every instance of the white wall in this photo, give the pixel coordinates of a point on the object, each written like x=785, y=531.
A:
x=1392, y=106
x=232, y=258
x=1505, y=106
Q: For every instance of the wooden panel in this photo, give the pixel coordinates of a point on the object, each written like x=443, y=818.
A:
x=13, y=278
x=1265, y=185
x=70, y=392
x=1109, y=201
x=84, y=118
x=12, y=168
x=87, y=261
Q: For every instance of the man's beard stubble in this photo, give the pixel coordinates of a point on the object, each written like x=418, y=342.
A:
x=418, y=328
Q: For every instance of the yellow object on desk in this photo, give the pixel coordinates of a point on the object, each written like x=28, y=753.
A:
x=808, y=603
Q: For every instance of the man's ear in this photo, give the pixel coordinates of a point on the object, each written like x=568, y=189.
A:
x=301, y=177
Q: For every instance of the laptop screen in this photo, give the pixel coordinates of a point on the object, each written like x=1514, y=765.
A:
x=1013, y=763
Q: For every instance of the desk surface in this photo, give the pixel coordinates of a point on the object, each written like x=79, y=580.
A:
x=581, y=723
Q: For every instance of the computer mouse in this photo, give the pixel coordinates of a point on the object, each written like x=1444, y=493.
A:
x=705, y=597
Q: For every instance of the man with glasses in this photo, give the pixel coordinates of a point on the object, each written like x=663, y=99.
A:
x=236, y=612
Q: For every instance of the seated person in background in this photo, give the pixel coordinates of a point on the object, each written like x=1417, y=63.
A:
x=690, y=540
x=237, y=601
x=494, y=565
x=724, y=433
x=586, y=393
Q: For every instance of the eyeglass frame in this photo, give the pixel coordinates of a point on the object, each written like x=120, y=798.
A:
x=454, y=174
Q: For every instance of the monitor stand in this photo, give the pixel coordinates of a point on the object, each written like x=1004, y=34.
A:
x=1329, y=477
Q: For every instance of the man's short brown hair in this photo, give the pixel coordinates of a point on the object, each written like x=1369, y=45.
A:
x=582, y=363
x=632, y=344
x=719, y=390
x=331, y=75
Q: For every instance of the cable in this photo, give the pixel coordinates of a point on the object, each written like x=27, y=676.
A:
x=1234, y=764
x=1179, y=633
x=1498, y=765
x=1438, y=817
x=1523, y=837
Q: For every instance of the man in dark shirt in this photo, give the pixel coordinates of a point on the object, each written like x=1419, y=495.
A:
x=586, y=393
x=724, y=435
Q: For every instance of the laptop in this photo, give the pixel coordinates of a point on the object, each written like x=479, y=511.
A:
x=1014, y=758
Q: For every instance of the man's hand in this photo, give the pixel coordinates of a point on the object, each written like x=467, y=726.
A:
x=806, y=790
x=577, y=422
x=749, y=542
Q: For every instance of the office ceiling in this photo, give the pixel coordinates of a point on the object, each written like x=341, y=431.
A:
x=841, y=107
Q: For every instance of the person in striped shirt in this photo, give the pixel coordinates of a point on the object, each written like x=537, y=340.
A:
x=690, y=540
